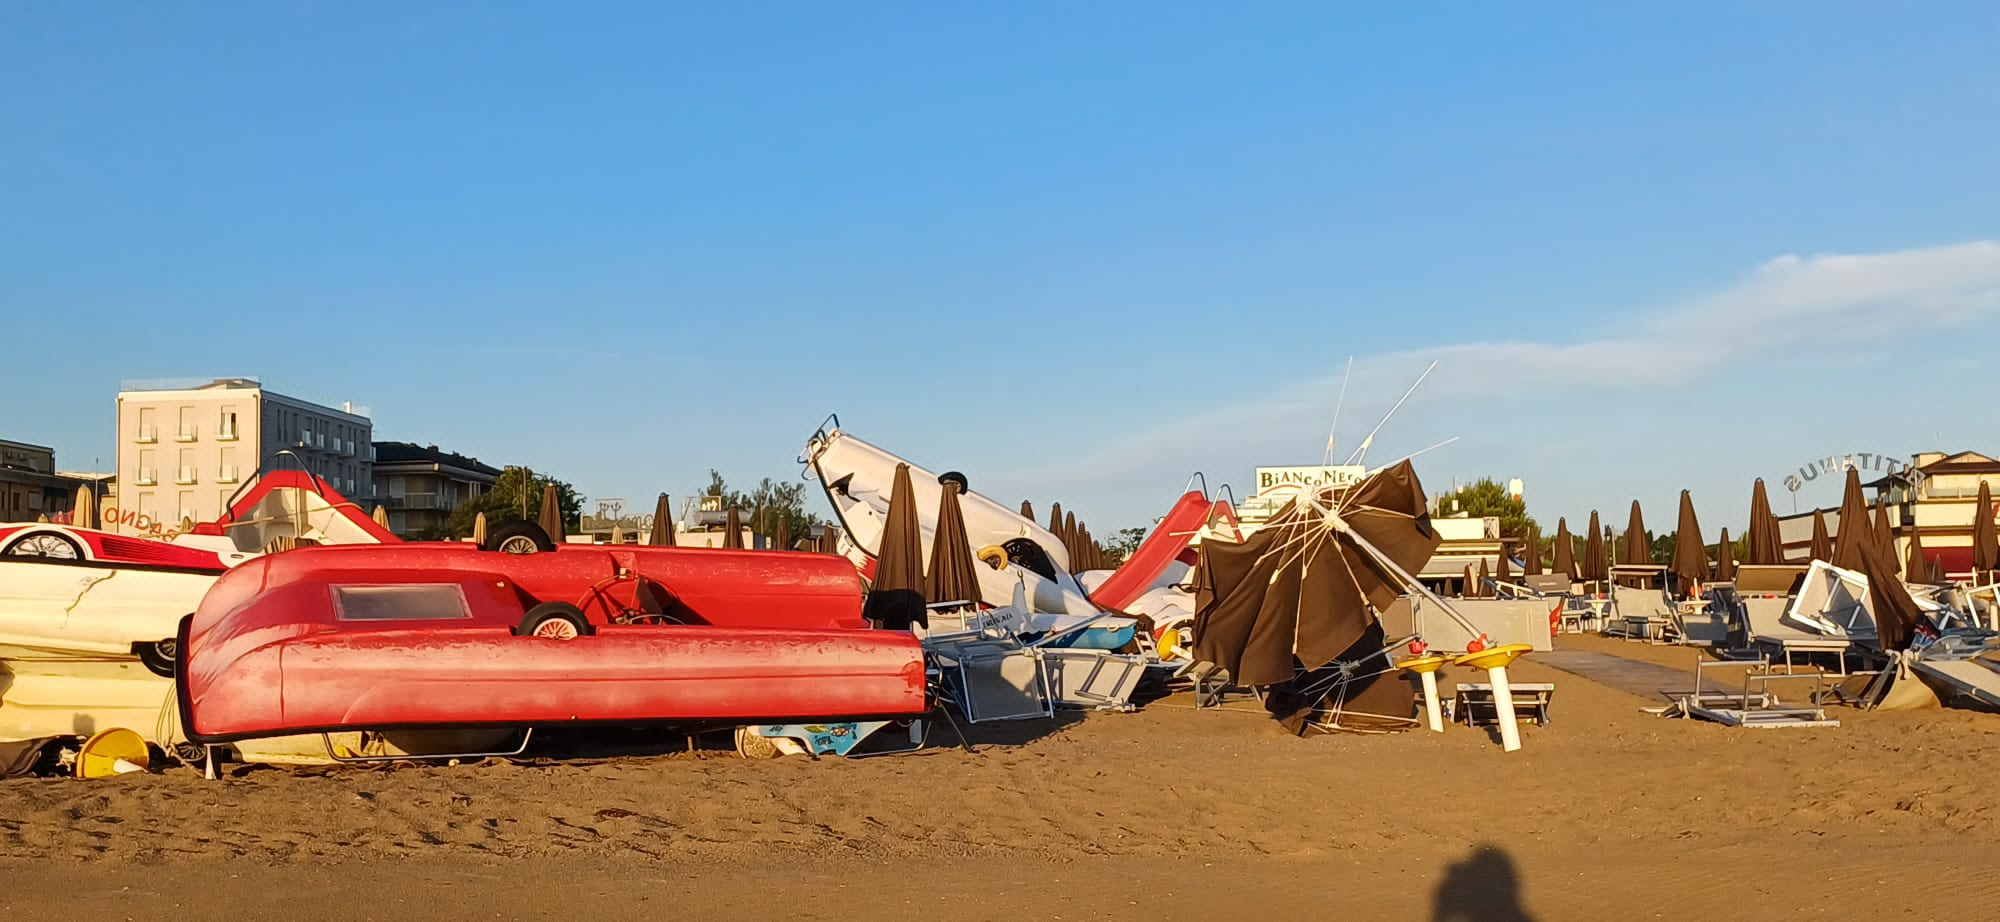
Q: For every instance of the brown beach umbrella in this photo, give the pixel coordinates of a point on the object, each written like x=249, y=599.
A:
x=1564, y=562
x=896, y=597
x=479, y=530
x=84, y=513
x=1725, y=559
x=1896, y=613
x=784, y=536
x=1056, y=519
x=1261, y=610
x=1637, y=550
x=1763, y=545
x=1690, y=558
x=1853, y=527
x=1531, y=562
x=1068, y=535
x=1471, y=590
x=951, y=577
x=663, y=523
x=1593, y=551
x=551, y=518
x=1917, y=568
x=1027, y=510
x=1985, y=538
x=1822, y=543
x=1502, y=573
x=732, y=529
x=1484, y=590
x=1883, y=536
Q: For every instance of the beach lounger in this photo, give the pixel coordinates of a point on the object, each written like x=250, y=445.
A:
x=1756, y=706
x=1473, y=704
x=1771, y=636
x=1973, y=677
x=1639, y=614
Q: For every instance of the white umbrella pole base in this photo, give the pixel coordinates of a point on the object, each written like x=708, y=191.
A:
x=1432, y=708
x=1503, y=707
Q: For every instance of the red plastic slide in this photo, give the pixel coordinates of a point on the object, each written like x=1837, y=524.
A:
x=1160, y=548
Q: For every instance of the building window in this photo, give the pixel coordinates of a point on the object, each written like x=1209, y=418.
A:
x=148, y=472
x=226, y=430
x=226, y=471
x=187, y=509
x=185, y=431
x=186, y=473
x=148, y=432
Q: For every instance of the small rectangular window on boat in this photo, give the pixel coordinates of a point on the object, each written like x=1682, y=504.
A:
x=423, y=602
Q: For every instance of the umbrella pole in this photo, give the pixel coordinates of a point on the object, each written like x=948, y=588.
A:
x=1410, y=582
x=1503, y=706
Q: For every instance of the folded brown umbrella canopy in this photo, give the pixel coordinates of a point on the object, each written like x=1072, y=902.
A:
x=1070, y=544
x=1027, y=510
x=1565, y=551
x=732, y=528
x=1502, y=573
x=1763, y=546
x=1638, y=550
x=1854, y=528
x=551, y=518
x=1896, y=613
x=950, y=576
x=1594, y=568
x=1470, y=589
x=1985, y=537
x=1485, y=591
x=1917, y=567
x=896, y=597
x=1822, y=543
x=663, y=523
x=784, y=535
x=1298, y=592
x=1883, y=536
x=1690, y=558
x=1531, y=560
x=1725, y=559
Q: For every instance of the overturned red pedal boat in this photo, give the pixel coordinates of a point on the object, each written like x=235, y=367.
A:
x=346, y=638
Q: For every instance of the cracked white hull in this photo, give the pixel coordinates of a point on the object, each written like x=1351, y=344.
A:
x=93, y=609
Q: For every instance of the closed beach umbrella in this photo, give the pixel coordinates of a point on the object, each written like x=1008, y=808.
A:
x=551, y=515
x=1917, y=568
x=663, y=523
x=84, y=514
x=1896, y=614
x=1725, y=559
x=381, y=516
x=617, y=534
x=896, y=598
x=1822, y=541
x=1471, y=590
x=1484, y=590
x=951, y=577
x=1854, y=528
x=479, y=529
x=1070, y=544
x=1027, y=510
x=1985, y=538
x=1564, y=561
x=732, y=529
x=1056, y=519
x=1638, y=551
x=1690, y=559
x=1594, y=569
x=784, y=542
x=1883, y=536
x=1502, y=573
x=1531, y=562
x=1762, y=546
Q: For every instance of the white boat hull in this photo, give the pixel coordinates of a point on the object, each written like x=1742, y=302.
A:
x=93, y=609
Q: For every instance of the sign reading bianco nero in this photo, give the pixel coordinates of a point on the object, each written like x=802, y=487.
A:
x=1325, y=475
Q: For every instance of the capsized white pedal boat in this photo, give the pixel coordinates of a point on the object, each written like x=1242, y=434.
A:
x=857, y=477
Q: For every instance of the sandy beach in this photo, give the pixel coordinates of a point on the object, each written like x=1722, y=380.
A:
x=1164, y=813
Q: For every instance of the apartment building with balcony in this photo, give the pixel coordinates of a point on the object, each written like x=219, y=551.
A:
x=1936, y=501
x=185, y=447
x=421, y=485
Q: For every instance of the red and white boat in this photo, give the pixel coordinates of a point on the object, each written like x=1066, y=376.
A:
x=436, y=636
x=88, y=617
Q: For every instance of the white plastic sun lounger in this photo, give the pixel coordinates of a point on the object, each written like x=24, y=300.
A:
x=1770, y=634
x=1974, y=678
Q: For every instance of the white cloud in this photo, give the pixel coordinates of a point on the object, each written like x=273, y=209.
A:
x=1788, y=304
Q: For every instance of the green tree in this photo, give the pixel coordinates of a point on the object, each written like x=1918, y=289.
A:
x=767, y=504
x=517, y=494
x=1122, y=544
x=1486, y=497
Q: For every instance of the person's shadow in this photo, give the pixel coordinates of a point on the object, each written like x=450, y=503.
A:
x=1482, y=888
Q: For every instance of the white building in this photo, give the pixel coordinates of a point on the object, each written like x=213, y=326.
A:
x=184, y=448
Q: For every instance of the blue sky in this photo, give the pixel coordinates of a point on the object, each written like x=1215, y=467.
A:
x=1074, y=250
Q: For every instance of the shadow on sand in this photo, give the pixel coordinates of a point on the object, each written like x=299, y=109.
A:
x=1484, y=887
